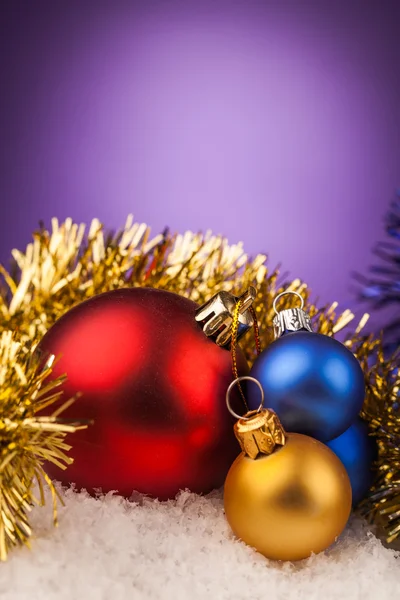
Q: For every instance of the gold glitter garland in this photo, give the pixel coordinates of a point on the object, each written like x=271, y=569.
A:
x=69, y=264
x=382, y=411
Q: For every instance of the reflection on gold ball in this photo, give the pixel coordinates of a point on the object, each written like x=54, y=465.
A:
x=291, y=503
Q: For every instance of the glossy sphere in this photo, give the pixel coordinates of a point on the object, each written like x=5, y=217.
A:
x=289, y=504
x=357, y=451
x=313, y=382
x=155, y=387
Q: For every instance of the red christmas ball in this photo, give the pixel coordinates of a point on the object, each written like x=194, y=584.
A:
x=155, y=387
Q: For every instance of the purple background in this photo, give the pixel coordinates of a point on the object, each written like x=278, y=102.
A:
x=275, y=123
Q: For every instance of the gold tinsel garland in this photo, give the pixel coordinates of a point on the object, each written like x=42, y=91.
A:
x=27, y=439
x=67, y=265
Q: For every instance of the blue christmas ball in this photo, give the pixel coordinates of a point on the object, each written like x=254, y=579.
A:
x=357, y=450
x=312, y=381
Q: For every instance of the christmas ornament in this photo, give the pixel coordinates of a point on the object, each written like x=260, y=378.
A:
x=312, y=381
x=154, y=385
x=286, y=495
x=357, y=450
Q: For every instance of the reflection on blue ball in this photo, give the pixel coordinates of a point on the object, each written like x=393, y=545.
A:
x=357, y=451
x=313, y=382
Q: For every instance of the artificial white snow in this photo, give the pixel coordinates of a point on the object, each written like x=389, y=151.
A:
x=112, y=549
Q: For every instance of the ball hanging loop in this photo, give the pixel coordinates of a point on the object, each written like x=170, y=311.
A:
x=284, y=294
x=228, y=393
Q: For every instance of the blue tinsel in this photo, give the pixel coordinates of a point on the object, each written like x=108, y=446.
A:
x=381, y=288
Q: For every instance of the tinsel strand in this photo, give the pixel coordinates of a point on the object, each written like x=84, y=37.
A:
x=381, y=287
x=27, y=439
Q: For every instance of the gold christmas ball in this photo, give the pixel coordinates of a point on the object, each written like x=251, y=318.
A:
x=291, y=503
